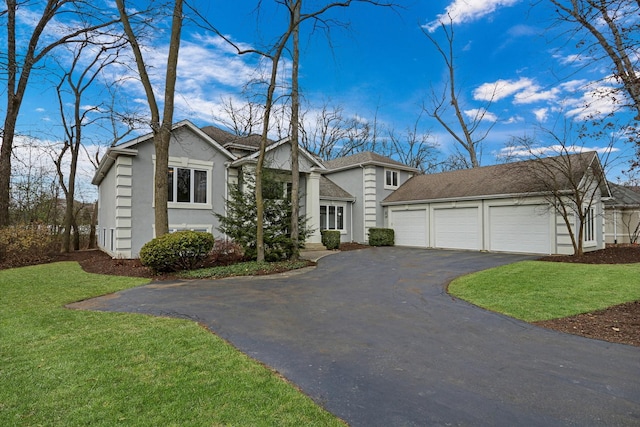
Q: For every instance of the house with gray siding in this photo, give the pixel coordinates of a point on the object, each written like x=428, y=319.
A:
x=498, y=208
x=204, y=162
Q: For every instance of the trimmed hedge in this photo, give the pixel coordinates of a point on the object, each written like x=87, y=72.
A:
x=381, y=237
x=331, y=239
x=181, y=250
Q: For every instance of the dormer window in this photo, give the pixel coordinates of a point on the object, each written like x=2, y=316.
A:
x=391, y=179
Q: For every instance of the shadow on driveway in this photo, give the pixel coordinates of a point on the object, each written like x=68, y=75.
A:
x=373, y=337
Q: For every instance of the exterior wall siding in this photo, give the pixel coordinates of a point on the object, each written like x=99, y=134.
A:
x=351, y=180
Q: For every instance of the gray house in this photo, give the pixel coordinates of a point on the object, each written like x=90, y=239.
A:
x=342, y=195
x=502, y=208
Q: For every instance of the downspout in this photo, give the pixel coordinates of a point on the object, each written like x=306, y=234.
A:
x=615, y=226
x=351, y=220
x=364, y=208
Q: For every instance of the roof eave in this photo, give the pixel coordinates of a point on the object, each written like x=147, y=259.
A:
x=373, y=163
x=108, y=160
x=465, y=198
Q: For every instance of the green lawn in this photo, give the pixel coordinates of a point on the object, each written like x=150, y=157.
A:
x=537, y=290
x=75, y=368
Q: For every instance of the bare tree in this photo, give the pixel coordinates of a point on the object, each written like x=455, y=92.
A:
x=23, y=56
x=609, y=31
x=414, y=148
x=160, y=127
x=569, y=181
x=295, y=127
x=242, y=120
x=330, y=133
x=469, y=133
x=274, y=54
x=75, y=80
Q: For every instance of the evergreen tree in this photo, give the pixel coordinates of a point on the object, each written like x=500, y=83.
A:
x=239, y=223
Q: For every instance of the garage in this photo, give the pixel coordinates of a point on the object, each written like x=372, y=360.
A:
x=457, y=228
x=410, y=227
x=523, y=228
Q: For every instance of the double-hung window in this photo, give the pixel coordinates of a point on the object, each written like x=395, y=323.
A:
x=589, y=231
x=331, y=217
x=391, y=179
x=187, y=185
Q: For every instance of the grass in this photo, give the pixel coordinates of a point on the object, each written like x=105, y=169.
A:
x=75, y=368
x=537, y=290
x=251, y=268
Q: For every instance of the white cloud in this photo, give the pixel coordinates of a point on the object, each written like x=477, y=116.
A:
x=550, y=150
x=501, y=89
x=463, y=11
x=476, y=113
x=542, y=114
x=534, y=93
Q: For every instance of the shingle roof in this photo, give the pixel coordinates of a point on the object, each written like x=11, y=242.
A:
x=225, y=138
x=365, y=157
x=623, y=196
x=504, y=179
x=331, y=190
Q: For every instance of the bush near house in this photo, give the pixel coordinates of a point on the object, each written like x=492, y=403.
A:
x=331, y=239
x=25, y=244
x=181, y=250
x=381, y=237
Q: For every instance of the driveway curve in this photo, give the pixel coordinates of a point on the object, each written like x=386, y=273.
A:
x=373, y=337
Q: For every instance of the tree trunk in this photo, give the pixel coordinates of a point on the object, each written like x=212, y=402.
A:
x=92, y=231
x=295, y=122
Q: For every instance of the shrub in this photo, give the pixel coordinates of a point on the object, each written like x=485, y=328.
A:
x=226, y=252
x=331, y=239
x=239, y=222
x=26, y=244
x=181, y=250
x=381, y=237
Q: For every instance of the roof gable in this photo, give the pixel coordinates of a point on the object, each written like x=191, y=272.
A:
x=313, y=162
x=128, y=148
x=505, y=179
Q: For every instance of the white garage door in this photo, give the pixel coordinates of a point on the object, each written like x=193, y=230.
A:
x=410, y=227
x=457, y=228
x=519, y=229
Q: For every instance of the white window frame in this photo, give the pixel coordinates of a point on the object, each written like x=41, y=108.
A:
x=390, y=185
x=589, y=226
x=193, y=165
x=337, y=206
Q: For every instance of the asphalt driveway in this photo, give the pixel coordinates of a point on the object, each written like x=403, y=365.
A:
x=372, y=336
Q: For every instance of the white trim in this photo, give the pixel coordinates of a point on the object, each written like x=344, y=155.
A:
x=191, y=164
x=342, y=205
x=391, y=186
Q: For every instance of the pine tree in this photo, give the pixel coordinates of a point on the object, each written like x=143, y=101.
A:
x=239, y=223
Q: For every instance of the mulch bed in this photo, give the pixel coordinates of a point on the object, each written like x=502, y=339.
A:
x=618, y=324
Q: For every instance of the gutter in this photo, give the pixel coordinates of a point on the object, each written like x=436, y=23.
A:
x=466, y=198
x=108, y=160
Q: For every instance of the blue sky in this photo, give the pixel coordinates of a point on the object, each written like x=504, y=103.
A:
x=382, y=63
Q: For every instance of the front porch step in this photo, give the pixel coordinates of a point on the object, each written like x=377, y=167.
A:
x=314, y=247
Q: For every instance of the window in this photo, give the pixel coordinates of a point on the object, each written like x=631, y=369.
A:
x=331, y=217
x=589, y=231
x=187, y=185
x=391, y=178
